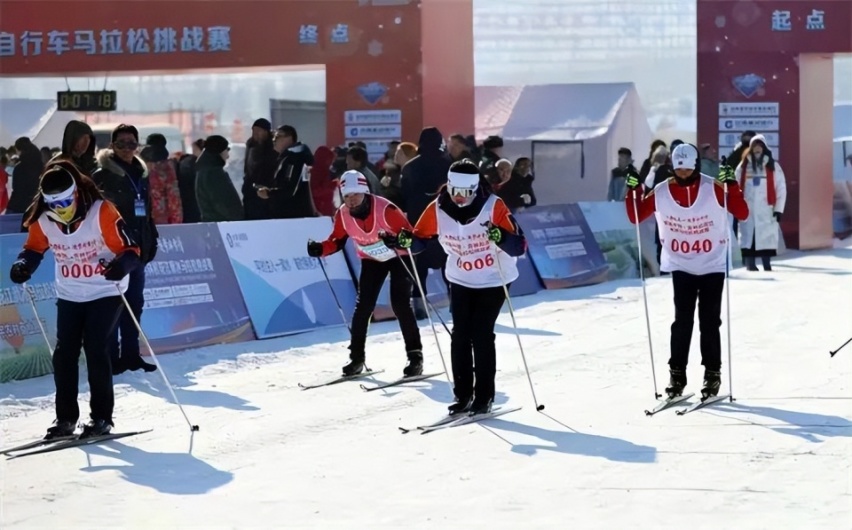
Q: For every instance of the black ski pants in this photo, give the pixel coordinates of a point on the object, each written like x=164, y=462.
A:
x=88, y=325
x=707, y=290
x=126, y=327
x=373, y=275
x=473, y=351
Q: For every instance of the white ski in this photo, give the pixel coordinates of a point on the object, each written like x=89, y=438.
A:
x=702, y=404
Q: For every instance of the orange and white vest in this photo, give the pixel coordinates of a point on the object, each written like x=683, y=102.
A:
x=77, y=257
x=368, y=244
x=470, y=254
x=694, y=239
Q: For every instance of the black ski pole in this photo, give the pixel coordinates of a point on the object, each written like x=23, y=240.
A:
x=841, y=347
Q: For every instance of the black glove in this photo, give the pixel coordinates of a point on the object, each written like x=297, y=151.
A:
x=20, y=272
x=777, y=216
x=404, y=239
x=120, y=266
x=314, y=249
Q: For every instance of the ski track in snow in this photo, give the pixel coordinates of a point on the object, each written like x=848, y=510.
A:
x=270, y=455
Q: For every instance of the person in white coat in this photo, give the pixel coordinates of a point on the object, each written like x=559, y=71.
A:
x=765, y=188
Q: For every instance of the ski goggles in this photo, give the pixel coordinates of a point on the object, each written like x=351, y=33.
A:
x=461, y=192
x=60, y=200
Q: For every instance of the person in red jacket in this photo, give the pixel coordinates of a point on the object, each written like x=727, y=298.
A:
x=693, y=232
x=369, y=219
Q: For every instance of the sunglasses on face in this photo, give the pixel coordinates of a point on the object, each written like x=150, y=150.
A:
x=126, y=145
x=61, y=203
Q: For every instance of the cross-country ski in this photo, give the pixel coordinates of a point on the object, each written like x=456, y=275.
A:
x=701, y=404
x=668, y=403
x=401, y=381
x=77, y=442
x=341, y=379
x=470, y=418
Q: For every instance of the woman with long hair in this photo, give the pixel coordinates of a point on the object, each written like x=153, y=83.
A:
x=482, y=242
x=765, y=188
x=93, y=255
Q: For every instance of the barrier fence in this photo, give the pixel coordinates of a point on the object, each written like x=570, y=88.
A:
x=221, y=283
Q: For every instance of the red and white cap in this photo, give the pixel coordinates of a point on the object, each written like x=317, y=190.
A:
x=353, y=182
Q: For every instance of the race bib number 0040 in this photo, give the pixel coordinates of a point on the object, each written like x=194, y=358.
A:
x=77, y=270
x=475, y=264
x=703, y=246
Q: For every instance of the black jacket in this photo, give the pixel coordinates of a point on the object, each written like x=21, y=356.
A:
x=424, y=174
x=290, y=196
x=74, y=130
x=25, y=177
x=260, y=165
x=186, y=185
x=511, y=191
x=121, y=184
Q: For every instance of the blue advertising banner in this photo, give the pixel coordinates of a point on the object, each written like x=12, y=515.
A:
x=192, y=298
x=285, y=289
x=562, y=246
x=527, y=282
x=436, y=289
x=23, y=351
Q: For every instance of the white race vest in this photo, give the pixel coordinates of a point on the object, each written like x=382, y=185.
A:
x=470, y=255
x=693, y=239
x=77, y=256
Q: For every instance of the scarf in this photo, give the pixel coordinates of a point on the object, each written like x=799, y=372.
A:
x=770, y=183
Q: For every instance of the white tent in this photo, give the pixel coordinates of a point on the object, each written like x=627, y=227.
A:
x=571, y=131
x=37, y=119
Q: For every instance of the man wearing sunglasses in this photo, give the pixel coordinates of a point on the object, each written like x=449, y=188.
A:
x=123, y=178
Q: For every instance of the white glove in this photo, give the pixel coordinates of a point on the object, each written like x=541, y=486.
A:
x=526, y=198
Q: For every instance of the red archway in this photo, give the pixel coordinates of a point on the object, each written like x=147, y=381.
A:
x=408, y=61
x=767, y=65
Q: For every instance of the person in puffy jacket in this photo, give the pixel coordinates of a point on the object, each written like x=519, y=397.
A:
x=218, y=200
x=166, y=207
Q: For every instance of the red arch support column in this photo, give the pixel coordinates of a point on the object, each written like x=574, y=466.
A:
x=767, y=65
x=407, y=63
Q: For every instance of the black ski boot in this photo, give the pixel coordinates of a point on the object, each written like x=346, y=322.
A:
x=355, y=366
x=481, y=407
x=415, y=364
x=60, y=429
x=712, y=382
x=96, y=428
x=460, y=406
x=677, y=382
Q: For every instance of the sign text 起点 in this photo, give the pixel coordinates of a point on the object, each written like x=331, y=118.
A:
x=135, y=41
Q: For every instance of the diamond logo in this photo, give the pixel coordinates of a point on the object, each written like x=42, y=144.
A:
x=372, y=92
x=748, y=84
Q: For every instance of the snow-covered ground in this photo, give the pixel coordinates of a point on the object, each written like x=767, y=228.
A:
x=269, y=455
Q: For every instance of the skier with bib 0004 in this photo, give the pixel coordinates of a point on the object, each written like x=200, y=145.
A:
x=691, y=216
x=367, y=218
x=476, y=229
x=71, y=218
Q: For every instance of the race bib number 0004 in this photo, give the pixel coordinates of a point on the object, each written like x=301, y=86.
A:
x=77, y=270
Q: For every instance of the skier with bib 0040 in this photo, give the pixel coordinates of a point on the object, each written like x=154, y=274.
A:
x=71, y=217
x=691, y=217
x=482, y=242
x=367, y=218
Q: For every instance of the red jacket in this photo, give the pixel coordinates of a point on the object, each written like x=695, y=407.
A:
x=685, y=196
x=395, y=218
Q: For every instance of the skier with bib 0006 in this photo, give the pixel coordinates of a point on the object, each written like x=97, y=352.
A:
x=691, y=217
x=482, y=242
x=367, y=218
x=70, y=217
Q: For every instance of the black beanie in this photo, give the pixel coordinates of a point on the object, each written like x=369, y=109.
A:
x=263, y=123
x=156, y=140
x=216, y=144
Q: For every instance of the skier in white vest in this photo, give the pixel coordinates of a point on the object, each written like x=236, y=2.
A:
x=93, y=255
x=475, y=228
x=692, y=219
